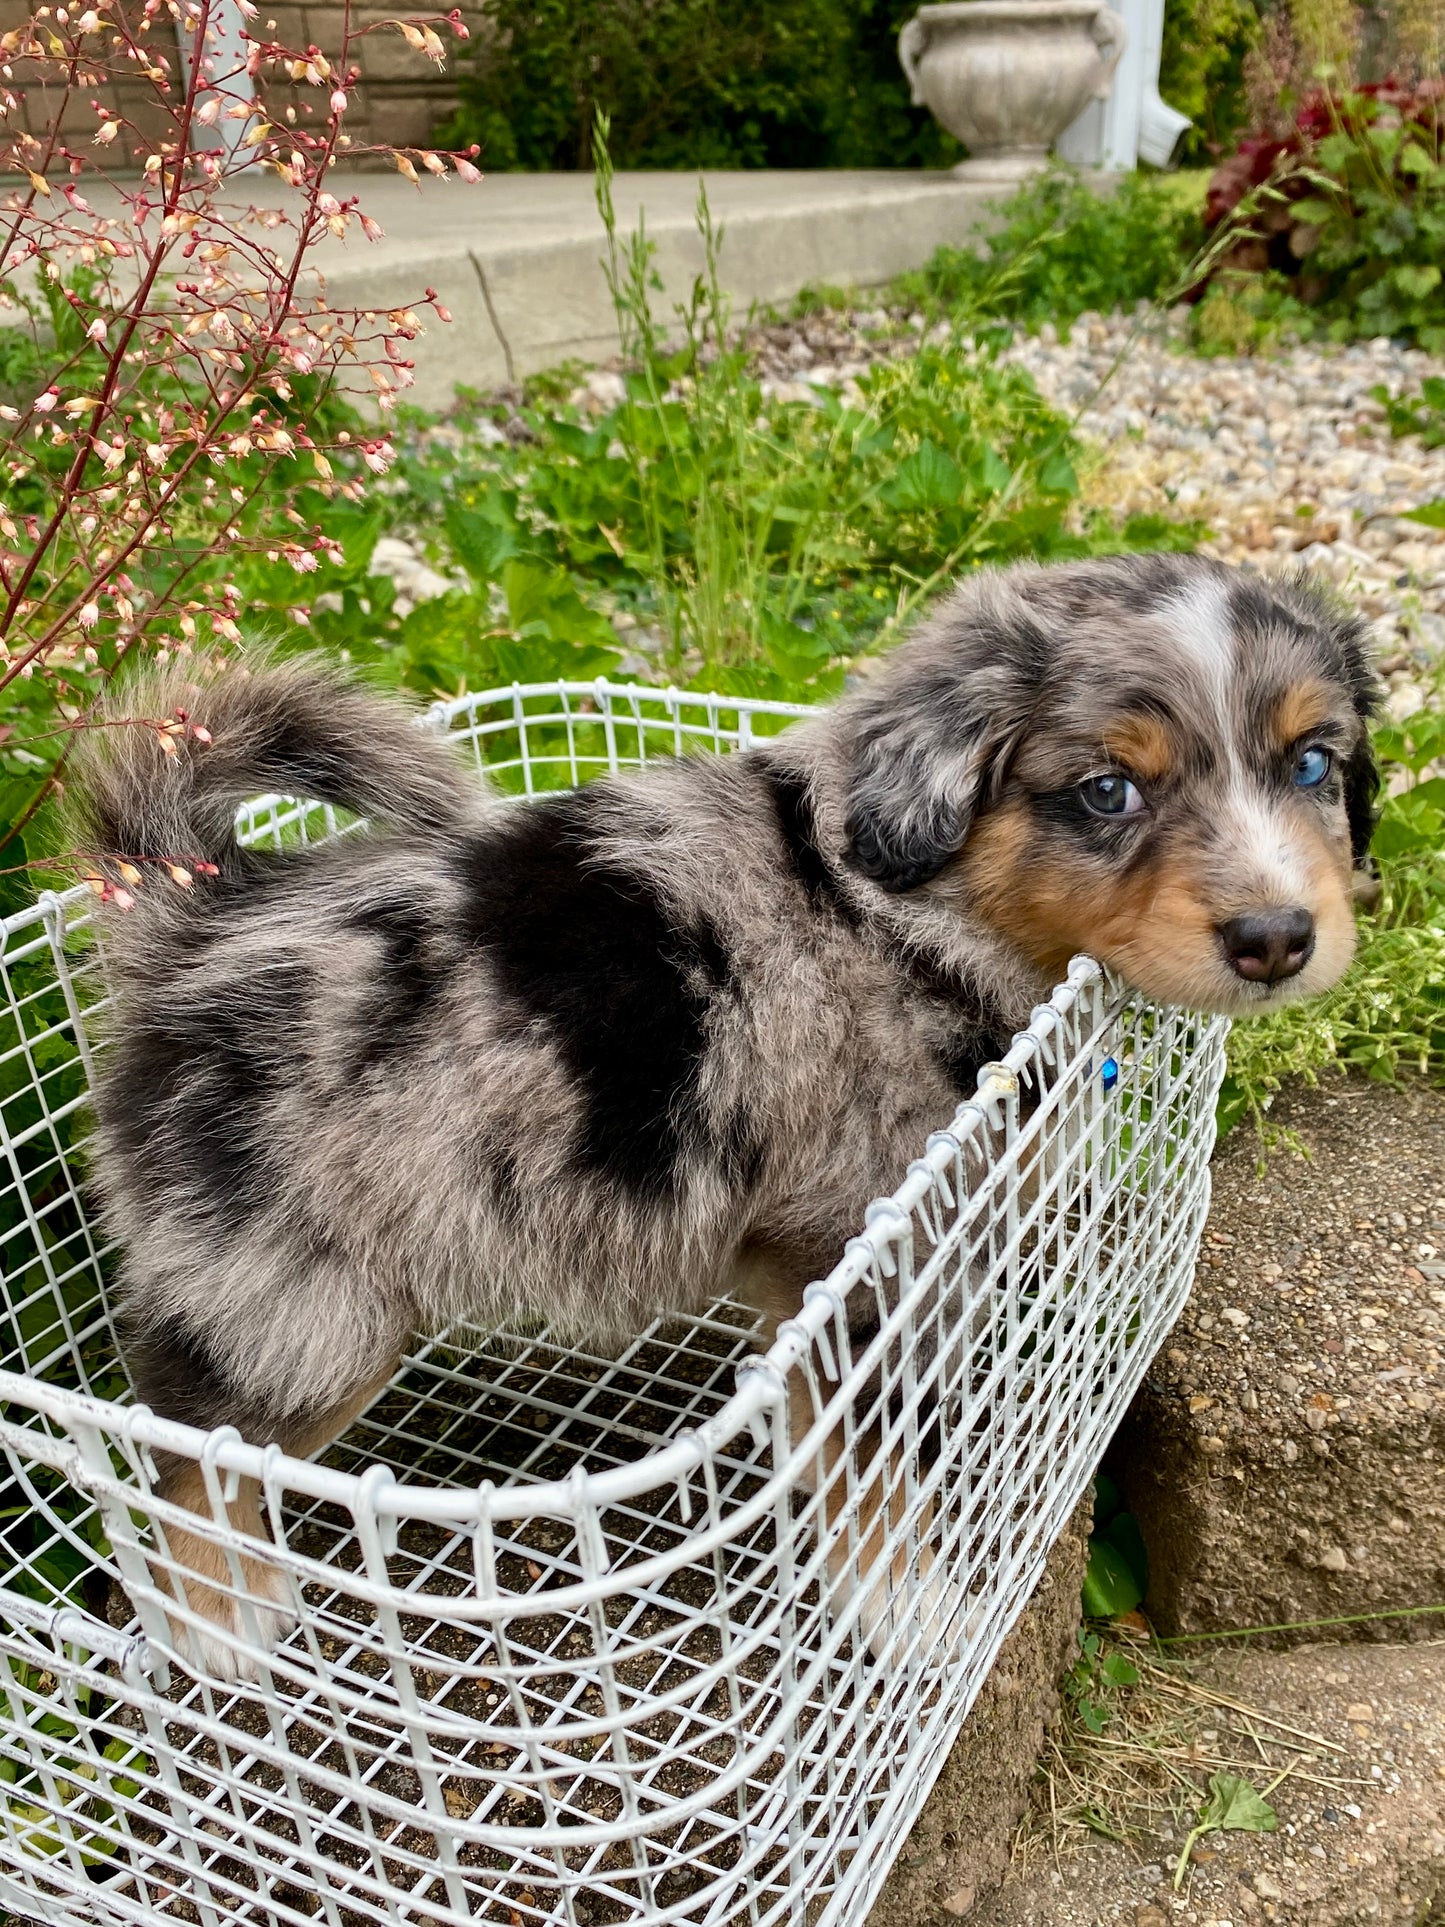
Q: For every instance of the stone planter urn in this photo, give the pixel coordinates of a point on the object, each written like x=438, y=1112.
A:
x=1006, y=77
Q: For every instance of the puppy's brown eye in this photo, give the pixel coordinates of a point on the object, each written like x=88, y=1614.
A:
x=1111, y=795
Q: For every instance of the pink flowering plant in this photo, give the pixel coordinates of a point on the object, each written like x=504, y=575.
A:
x=173, y=380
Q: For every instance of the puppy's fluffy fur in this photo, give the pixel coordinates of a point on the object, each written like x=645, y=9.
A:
x=596, y=1057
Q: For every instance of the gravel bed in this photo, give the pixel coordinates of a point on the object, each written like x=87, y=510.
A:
x=1286, y=458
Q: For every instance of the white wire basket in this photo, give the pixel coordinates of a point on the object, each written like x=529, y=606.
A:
x=567, y=1650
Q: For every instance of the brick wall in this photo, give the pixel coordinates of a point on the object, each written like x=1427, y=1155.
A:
x=402, y=98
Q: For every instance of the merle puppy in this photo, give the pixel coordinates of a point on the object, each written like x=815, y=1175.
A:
x=598, y=1056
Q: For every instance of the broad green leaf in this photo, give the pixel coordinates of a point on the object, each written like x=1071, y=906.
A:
x=786, y=638
x=1123, y=1534
x=928, y=479
x=1234, y=1806
x=1095, y=1717
x=1409, y=823
x=1119, y=1670
x=1110, y=1588
x=1431, y=514
x=1417, y=282
x=1414, y=160
x=1058, y=476
x=484, y=537
x=994, y=472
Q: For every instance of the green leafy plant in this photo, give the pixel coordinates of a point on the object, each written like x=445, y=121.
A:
x=1233, y=1806
x=1117, y=1577
x=1059, y=248
x=1096, y=1678
x=1422, y=414
x=1347, y=234
x=758, y=543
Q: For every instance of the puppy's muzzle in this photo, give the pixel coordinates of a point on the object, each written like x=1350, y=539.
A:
x=1267, y=946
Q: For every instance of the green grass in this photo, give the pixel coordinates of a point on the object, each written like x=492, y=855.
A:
x=1061, y=248
x=762, y=544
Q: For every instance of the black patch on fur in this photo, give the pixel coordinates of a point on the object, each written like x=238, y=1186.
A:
x=408, y=983
x=742, y=1149
x=190, y=1081
x=961, y=1059
x=175, y=1374
x=1362, y=780
x=798, y=828
x=603, y=964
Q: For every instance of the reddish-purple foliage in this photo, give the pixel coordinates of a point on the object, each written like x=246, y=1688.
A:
x=1277, y=172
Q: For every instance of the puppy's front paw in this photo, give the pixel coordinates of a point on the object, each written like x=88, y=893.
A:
x=244, y=1633
x=221, y=1635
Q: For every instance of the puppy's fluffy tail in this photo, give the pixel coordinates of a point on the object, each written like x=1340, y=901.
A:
x=297, y=727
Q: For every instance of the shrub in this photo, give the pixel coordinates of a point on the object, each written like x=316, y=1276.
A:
x=1202, y=71
x=1058, y=248
x=694, y=83
x=1347, y=232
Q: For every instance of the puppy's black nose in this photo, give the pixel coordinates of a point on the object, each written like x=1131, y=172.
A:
x=1269, y=945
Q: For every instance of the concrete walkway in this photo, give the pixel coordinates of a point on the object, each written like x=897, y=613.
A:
x=517, y=259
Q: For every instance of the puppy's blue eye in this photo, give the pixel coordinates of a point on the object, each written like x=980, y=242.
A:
x=1311, y=768
x=1110, y=795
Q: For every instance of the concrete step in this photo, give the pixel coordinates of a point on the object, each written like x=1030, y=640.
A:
x=1366, y=1849
x=517, y=259
x=1286, y=1456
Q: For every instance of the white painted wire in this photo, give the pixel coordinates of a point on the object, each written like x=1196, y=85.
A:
x=567, y=1651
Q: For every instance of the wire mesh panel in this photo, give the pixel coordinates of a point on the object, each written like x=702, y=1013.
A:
x=676, y=1636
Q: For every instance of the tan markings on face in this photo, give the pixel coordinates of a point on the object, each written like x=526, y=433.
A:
x=1298, y=710
x=1144, y=745
x=1327, y=864
x=1054, y=906
x=1158, y=926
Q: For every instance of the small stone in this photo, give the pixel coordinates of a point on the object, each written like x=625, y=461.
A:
x=1234, y=1316
x=1150, y=1917
x=1361, y=1713
x=960, y=1902
x=1334, y=1559
x=1267, y=1887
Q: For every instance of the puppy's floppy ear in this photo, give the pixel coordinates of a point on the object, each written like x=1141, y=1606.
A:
x=925, y=754
x=1361, y=780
